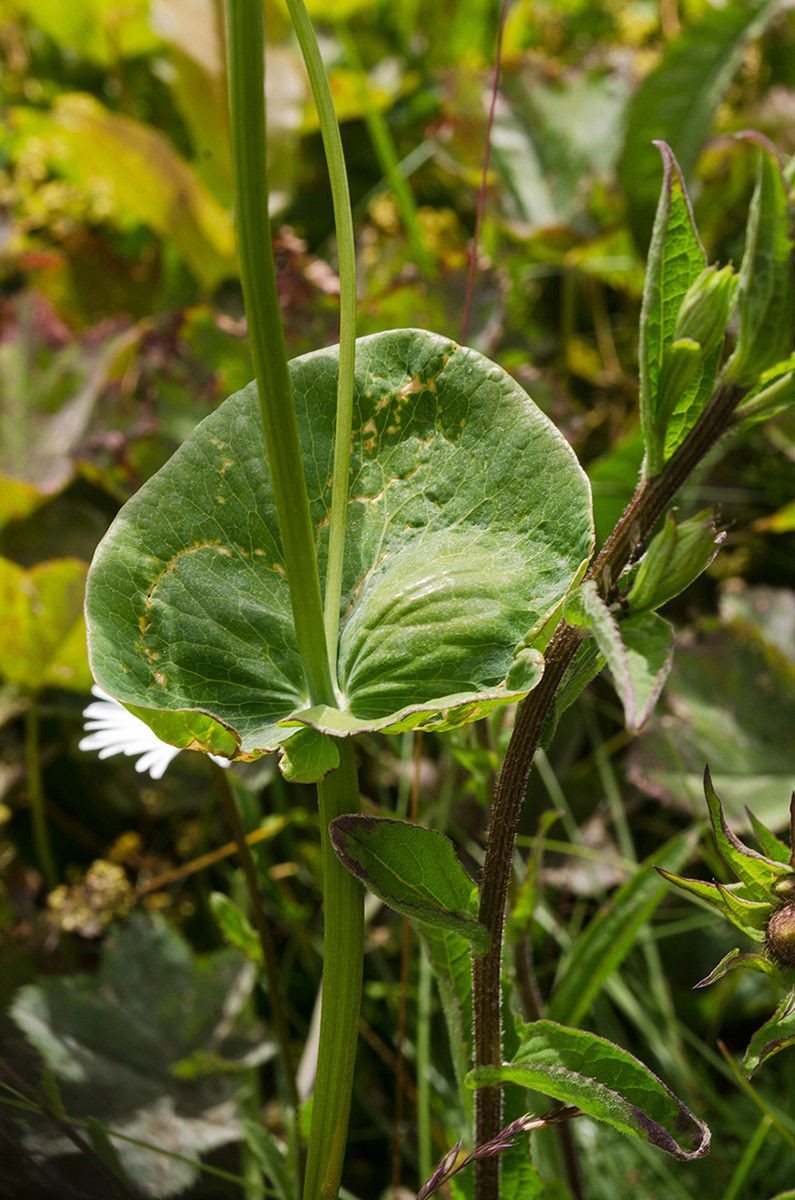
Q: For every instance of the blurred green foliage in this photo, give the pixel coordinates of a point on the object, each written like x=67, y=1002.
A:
x=121, y=326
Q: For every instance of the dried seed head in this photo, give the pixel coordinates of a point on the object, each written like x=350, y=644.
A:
x=780, y=935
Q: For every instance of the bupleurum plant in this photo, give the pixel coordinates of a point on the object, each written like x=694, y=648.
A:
x=762, y=905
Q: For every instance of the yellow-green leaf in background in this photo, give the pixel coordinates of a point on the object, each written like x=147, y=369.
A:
x=42, y=634
x=102, y=31
x=141, y=177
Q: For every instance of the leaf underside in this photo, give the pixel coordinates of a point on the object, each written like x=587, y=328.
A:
x=468, y=519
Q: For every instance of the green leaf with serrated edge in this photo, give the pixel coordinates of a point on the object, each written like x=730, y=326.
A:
x=775, y=1035
x=679, y=368
x=604, y=1081
x=711, y=894
x=678, y=100
x=308, y=756
x=766, y=302
x=675, y=260
x=235, y=926
x=733, y=960
x=468, y=515
x=755, y=871
x=676, y=556
x=412, y=869
x=771, y=846
x=610, y=936
x=450, y=956
x=639, y=654
x=691, y=405
x=271, y=1159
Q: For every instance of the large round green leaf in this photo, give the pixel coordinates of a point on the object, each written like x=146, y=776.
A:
x=468, y=519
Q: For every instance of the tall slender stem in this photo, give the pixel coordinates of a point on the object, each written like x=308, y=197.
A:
x=246, y=39
x=38, y=815
x=343, y=951
x=346, y=252
x=647, y=505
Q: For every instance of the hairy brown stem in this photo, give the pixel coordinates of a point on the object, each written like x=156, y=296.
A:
x=644, y=510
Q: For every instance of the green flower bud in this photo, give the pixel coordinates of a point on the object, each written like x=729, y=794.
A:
x=780, y=936
x=784, y=888
x=707, y=308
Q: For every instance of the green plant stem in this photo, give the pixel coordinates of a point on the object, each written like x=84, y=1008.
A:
x=424, y=1004
x=747, y=1161
x=346, y=252
x=647, y=505
x=385, y=152
x=38, y=815
x=245, y=41
x=269, y=959
x=746, y=1086
x=343, y=951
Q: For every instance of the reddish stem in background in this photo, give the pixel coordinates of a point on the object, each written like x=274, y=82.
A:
x=473, y=257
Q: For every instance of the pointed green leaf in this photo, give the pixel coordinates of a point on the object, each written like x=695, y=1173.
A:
x=754, y=913
x=675, y=261
x=413, y=870
x=610, y=936
x=775, y=1035
x=235, y=926
x=678, y=100
x=639, y=653
x=756, y=872
x=771, y=846
x=604, y=1081
x=733, y=960
x=711, y=894
x=104, y=1147
x=773, y=394
x=271, y=1159
x=451, y=960
x=766, y=304
x=676, y=556
x=468, y=516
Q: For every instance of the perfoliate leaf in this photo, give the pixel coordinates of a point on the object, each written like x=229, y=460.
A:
x=468, y=520
x=413, y=870
x=604, y=1081
x=766, y=303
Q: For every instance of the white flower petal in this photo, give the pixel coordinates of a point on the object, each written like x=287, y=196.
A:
x=111, y=729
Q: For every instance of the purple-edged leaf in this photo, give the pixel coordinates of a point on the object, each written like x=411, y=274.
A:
x=734, y=959
x=775, y=1035
x=711, y=894
x=755, y=871
x=755, y=913
x=413, y=870
x=604, y=1081
x=772, y=846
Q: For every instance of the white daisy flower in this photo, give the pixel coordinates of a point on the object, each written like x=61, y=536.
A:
x=112, y=729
